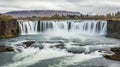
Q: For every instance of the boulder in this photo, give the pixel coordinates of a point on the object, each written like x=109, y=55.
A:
x=116, y=50
x=115, y=56
x=76, y=51
x=6, y=48
x=28, y=43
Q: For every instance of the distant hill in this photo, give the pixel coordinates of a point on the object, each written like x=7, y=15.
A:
x=40, y=13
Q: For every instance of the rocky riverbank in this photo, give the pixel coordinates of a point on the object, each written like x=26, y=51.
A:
x=116, y=55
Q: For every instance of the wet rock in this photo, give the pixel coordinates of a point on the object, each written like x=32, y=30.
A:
x=23, y=45
x=75, y=50
x=6, y=48
x=61, y=45
x=28, y=43
x=115, y=56
x=116, y=50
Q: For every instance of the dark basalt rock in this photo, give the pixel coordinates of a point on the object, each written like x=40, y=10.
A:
x=113, y=29
x=6, y=48
x=61, y=46
x=115, y=56
x=28, y=43
x=116, y=50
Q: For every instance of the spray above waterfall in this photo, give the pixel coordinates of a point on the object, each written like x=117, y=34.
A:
x=79, y=27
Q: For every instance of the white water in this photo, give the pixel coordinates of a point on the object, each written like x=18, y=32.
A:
x=28, y=27
x=80, y=27
x=31, y=56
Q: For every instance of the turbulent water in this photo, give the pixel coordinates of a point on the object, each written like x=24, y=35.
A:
x=85, y=44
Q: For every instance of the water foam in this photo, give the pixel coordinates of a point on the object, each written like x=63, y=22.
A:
x=35, y=56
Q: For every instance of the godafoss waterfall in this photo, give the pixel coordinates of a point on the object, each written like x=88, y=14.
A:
x=80, y=27
x=60, y=43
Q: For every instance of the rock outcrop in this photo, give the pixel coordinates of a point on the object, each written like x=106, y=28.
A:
x=9, y=28
x=116, y=55
x=113, y=28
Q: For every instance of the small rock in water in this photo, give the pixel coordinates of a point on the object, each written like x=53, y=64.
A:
x=28, y=43
x=61, y=45
x=6, y=48
x=76, y=50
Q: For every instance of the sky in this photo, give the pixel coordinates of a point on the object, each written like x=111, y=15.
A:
x=82, y=6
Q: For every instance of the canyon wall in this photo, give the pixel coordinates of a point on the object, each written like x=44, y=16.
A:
x=113, y=28
x=9, y=28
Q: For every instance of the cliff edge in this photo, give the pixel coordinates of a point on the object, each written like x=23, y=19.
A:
x=8, y=27
x=113, y=28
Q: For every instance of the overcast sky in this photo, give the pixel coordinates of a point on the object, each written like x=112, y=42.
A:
x=83, y=6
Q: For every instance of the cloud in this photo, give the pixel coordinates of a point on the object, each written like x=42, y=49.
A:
x=84, y=6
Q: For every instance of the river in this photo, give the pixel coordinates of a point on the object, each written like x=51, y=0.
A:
x=84, y=44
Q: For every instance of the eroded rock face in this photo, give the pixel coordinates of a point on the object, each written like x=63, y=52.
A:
x=116, y=55
x=6, y=49
x=113, y=28
x=9, y=28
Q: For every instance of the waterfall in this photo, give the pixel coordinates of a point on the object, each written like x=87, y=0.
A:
x=28, y=27
x=80, y=27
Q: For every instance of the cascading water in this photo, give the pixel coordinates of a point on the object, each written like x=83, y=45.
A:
x=92, y=27
x=28, y=27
